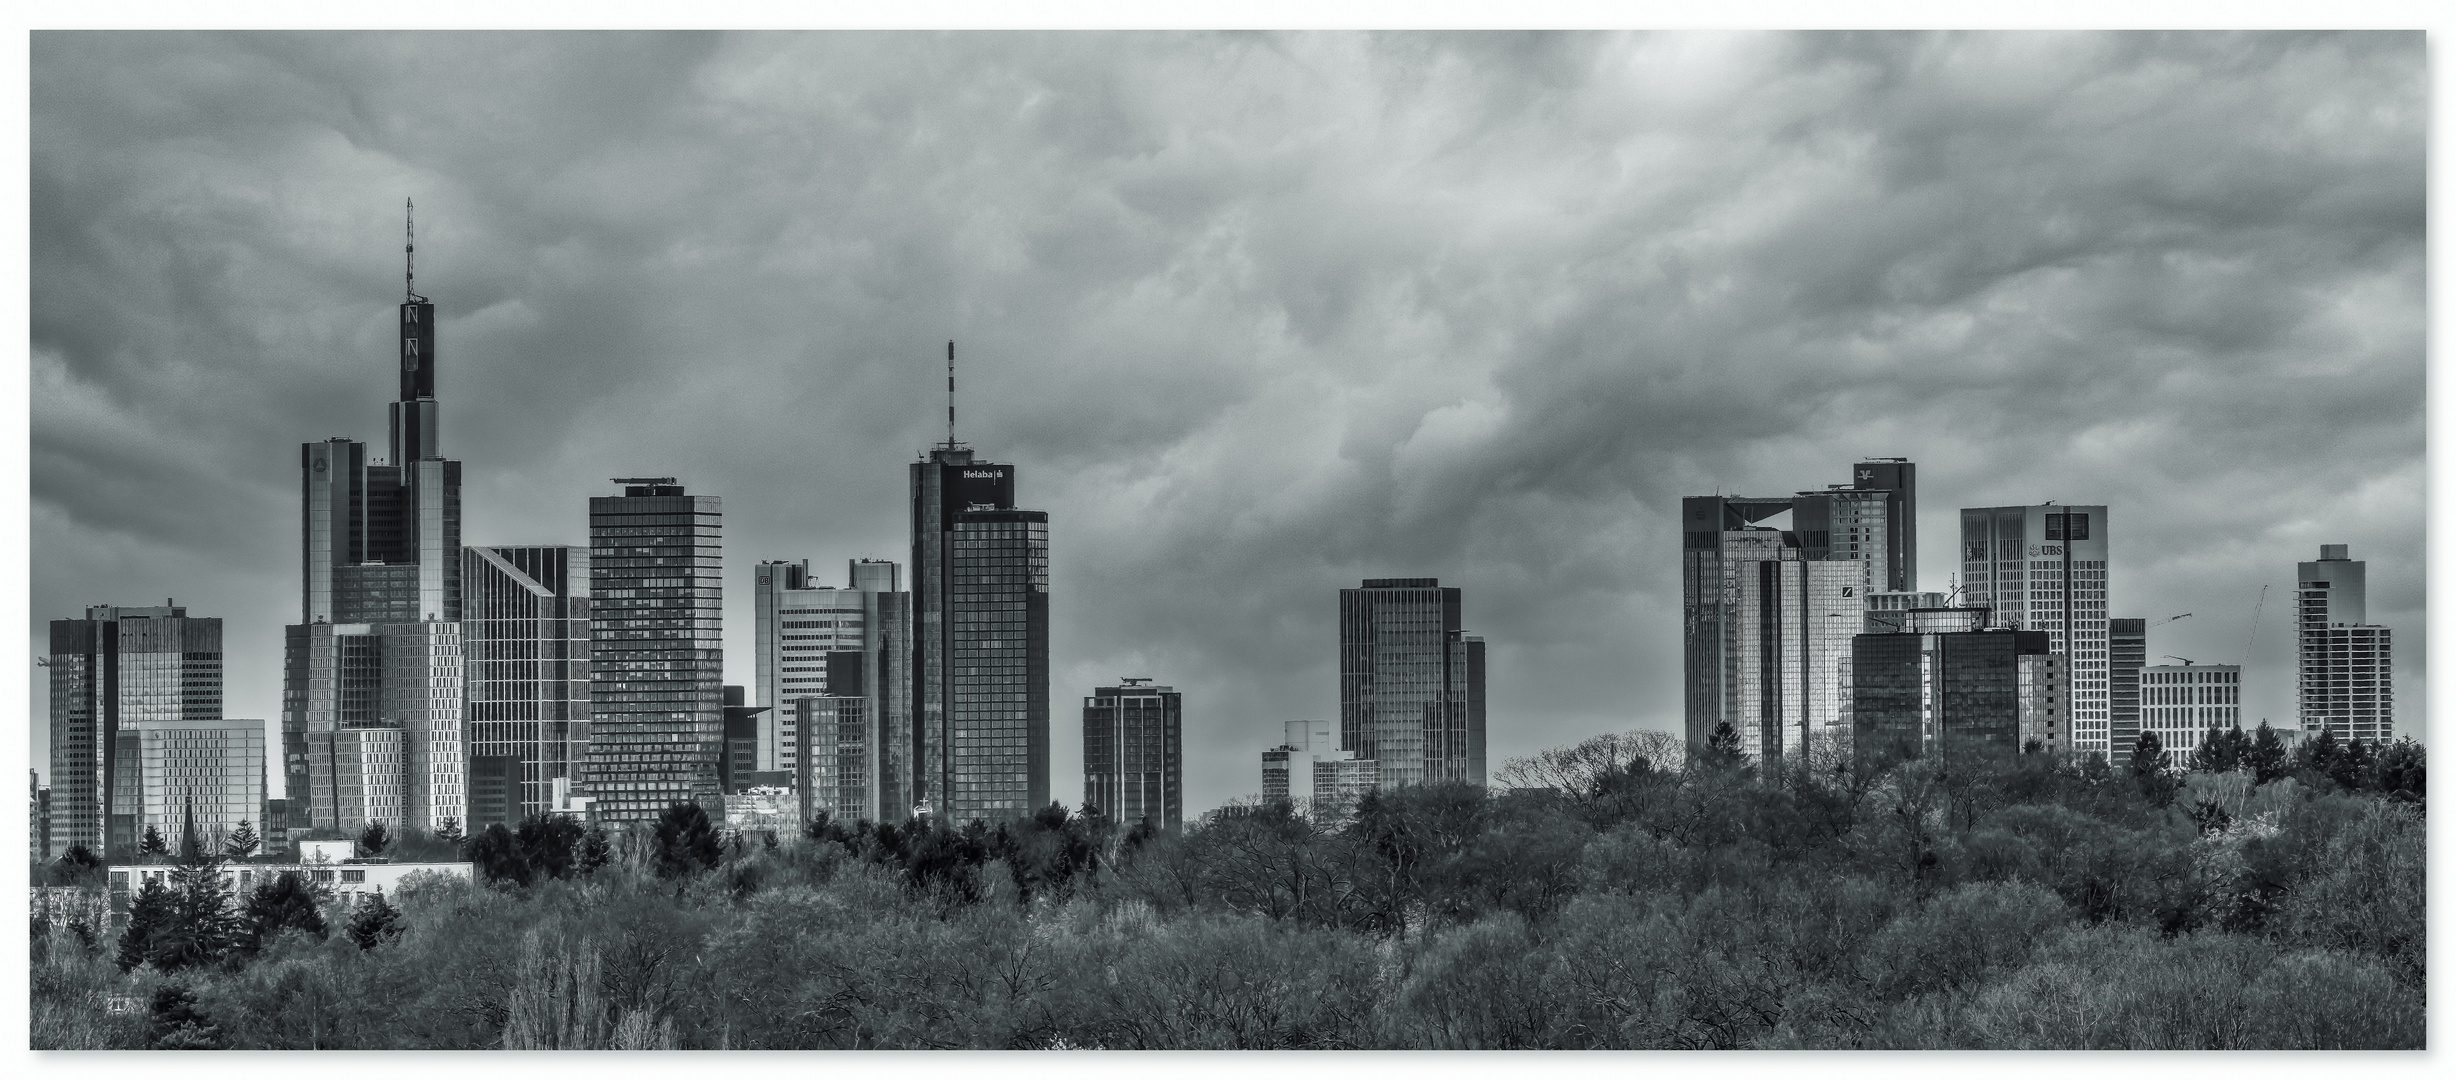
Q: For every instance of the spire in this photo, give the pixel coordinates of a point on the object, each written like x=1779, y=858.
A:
x=409, y=252
x=950, y=395
x=189, y=846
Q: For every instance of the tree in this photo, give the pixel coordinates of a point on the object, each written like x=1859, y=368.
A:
x=290, y=901
x=242, y=843
x=2266, y=755
x=373, y=840
x=2152, y=770
x=1723, y=748
x=376, y=922
x=202, y=928
x=686, y=841
x=147, y=915
x=450, y=831
x=2221, y=750
x=497, y=857
x=596, y=849
x=177, y=1024
x=2398, y=771
x=76, y=866
x=153, y=846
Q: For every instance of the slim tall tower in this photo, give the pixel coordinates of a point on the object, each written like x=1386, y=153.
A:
x=2044, y=568
x=1134, y=753
x=2127, y=652
x=1411, y=682
x=526, y=635
x=2341, y=673
x=657, y=650
x=115, y=674
x=980, y=663
x=380, y=598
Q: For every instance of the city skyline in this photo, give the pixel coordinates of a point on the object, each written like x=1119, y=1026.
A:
x=1235, y=397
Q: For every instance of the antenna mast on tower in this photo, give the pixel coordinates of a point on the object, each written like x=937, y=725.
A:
x=409, y=252
x=950, y=395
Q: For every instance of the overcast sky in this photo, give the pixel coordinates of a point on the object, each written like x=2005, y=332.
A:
x=1254, y=316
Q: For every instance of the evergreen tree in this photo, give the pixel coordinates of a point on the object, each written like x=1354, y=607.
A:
x=497, y=856
x=686, y=841
x=2352, y=769
x=2220, y=750
x=376, y=922
x=290, y=901
x=450, y=831
x=147, y=915
x=153, y=846
x=202, y=928
x=243, y=843
x=373, y=840
x=2265, y=757
x=2398, y=771
x=1723, y=748
x=2152, y=770
x=76, y=866
x=177, y=1024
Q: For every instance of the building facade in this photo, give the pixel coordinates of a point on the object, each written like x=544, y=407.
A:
x=1766, y=629
x=1411, y=682
x=2044, y=568
x=2127, y=651
x=2342, y=679
x=211, y=772
x=375, y=712
x=801, y=625
x=1134, y=753
x=2180, y=703
x=115, y=673
x=1947, y=694
x=657, y=650
x=980, y=632
x=525, y=643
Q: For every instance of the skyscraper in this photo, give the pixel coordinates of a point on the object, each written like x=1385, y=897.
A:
x=2181, y=702
x=800, y=626
x=2342, y=679
x=115, y=673
x=1133, y=753
x=525, y=635
x=657, y=650
x=980, y=660
x=2044, y=568
x=2127, y=651
x=209, y=772
x=380, y=581
x=1411, y=682
x=1948, y=694
x=1767, y=628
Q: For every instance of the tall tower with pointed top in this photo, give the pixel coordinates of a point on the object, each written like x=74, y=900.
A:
x=379, y=645
x=980, y=632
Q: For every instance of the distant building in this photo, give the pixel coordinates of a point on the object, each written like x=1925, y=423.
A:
x=980, y=610
x=2127, y=651
x=657, y=659
x=208, y=771
x=327, y=863
x=738, y=767
x=1951, y=693
x=38, y=818
x=1767, y=628
x=276, y=827
x=114, y=673
x=1338, y=783
x=375, y=712
x=1924, y=620
x=1133, y=753
x=2343, y=680
x=2044, y=568
x=799, y=626
x=525, y=633
x=1411, y=682
x=1287, y=769
x=2182, y=702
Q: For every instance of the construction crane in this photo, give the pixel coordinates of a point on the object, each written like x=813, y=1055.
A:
x=2255, y=626
x=2187, y=661
x=2168, y=619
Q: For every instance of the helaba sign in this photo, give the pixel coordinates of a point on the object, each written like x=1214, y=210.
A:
x=984, y=474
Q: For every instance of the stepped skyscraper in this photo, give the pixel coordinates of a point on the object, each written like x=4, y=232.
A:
x=372, y=693
x=980, y=623
x=2342, y=678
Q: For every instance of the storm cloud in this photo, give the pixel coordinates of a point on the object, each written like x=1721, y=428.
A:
x=1256, y=316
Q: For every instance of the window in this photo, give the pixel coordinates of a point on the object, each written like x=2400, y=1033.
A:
x=353, y=877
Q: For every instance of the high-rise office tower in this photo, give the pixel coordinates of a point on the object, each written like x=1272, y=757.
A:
x=1411, y=682
x=2181, y=702
x=208, y=772
x=2341, y=675
x=2044, y=568
x=115, y=673
x=800, y=625
x=373, y=711
x=2127, y=651
x=1898, y=479
x=1948, y=694
x=380, y=579
x=980, y=631
x=1766, y=629
x=1133, y=753
x=525, y=639
x=657, y=650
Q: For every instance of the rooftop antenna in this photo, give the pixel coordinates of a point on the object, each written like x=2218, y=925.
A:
x=950, y=394
x=409, y=252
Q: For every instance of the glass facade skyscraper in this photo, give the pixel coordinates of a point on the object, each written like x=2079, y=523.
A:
x=980, y=604
x=1766, y=628
x=2341, y=674
x=1411, y=682
x=525, y=637
x=115, y=673
x=2044, y=568
x=1134, y=753
x=1946, y=694
x=657, y=650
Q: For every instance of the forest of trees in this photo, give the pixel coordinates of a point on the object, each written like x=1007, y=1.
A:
x=1627, y=892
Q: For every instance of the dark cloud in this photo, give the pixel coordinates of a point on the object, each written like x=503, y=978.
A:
x=1256, y=315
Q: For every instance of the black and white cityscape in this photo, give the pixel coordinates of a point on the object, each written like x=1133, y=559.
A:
x=1227, y=541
